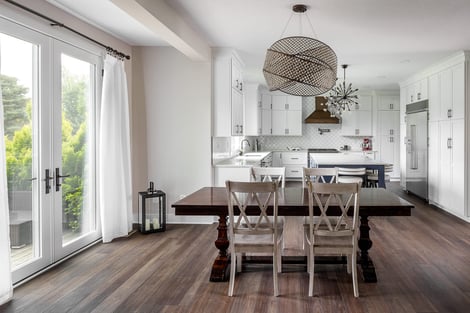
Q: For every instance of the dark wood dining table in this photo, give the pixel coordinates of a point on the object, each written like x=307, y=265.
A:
x=292, y=202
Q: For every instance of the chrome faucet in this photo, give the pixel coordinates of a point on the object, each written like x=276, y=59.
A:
x=241, y=144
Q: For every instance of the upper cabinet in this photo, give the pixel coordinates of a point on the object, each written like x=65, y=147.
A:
x=447, y=94
x=388, y=103
x=252, y=110
x=283, y=114
x=417, y=91
x=358, y=121
x=228, y=92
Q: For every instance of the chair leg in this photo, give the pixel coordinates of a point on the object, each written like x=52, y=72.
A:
x=312, y=271
x=354, y=274
x=239, y=261
x=232, y=274
x=276, y=255
x=348, y=258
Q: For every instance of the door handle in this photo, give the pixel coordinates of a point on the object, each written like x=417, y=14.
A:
x=47, y=180
x=57, y=179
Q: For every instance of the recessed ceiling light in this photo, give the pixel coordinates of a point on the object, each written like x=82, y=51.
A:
x=405, y=61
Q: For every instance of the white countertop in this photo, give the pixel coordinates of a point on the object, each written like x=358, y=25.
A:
x=343, y=158
x=246, y=160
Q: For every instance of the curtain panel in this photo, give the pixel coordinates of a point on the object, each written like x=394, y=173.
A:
x=6, y=287
x=115, y=191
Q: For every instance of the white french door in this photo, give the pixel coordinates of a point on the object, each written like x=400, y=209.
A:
x=50, y=95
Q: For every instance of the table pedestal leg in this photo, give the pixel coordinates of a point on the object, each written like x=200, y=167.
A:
x=220, y=266
x=367, y=266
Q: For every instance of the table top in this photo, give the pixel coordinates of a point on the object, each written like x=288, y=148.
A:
x=293, y=202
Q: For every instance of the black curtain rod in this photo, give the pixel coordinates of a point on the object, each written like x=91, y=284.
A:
x=56, y=23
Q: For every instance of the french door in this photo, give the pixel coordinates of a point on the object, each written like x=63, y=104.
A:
x=50, y=95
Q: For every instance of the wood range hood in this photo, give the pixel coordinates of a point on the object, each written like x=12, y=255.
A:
x=319, y=116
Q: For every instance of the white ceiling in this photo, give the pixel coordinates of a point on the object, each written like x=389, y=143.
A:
x=383, y=41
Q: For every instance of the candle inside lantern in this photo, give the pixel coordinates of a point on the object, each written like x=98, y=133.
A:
x=156, y=223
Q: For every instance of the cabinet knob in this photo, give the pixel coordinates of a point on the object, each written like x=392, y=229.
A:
x=241, y=86
x=419, y=96
x=449, y=113
x=391, y=106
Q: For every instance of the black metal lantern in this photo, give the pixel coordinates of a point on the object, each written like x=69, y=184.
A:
x=152, y=211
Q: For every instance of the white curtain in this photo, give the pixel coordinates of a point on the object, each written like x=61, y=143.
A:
x=6, y=288
x=115, y=191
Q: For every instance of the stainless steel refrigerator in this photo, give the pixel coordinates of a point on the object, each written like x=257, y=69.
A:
x=417, y=148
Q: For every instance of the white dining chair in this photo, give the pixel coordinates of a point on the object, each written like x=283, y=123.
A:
x=319, y=175
x=262, y=236
x=263, y=174
x=326, y=238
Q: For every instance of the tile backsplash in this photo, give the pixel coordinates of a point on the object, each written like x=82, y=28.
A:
x=311, y=137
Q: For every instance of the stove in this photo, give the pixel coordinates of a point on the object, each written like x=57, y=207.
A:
x=323, y=150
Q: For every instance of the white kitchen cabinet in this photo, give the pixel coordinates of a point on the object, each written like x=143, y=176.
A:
x=294, y=162
x=417, y=91
x=277, y=161
x=252, y=110
x=388, y=103
x=283, y=114
x=231, y=173
x=228, y=94
x=266, y=123
x=237, y=113
x=433, y=160
x=358, y=121
x=451, y=164
x=389, y=137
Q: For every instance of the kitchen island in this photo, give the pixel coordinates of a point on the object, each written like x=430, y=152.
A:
x=349, y=161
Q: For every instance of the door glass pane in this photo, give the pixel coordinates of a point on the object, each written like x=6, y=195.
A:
x=18, y=81
x=78, y=209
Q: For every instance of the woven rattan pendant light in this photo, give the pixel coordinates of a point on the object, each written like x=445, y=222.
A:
x=300, y=66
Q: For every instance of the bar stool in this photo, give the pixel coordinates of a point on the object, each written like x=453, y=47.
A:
x=351, y=175
x=373, y=176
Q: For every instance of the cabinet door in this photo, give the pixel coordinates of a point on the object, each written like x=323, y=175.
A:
x=277, y=161
x=434, y=97
x=294, y=122
x=363, y=123
x=458, y=166
x=388, y=103
x=458, y=91
x=433, y=160
x=279, y=102
x=266, y=122
x=279, y=124
x=445, y=164
x=237, y=113
x=348, y=124
x=266, y=101
x=252, y=111
x=445, y=107
x=388, y=123
x=294, y=103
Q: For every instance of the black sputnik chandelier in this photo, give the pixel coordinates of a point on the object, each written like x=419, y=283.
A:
x=342, y=97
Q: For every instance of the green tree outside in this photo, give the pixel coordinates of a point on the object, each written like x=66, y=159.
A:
x=18, y=141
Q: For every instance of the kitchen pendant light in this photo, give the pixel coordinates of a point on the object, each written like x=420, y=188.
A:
x=300, y=66
x=341, y=98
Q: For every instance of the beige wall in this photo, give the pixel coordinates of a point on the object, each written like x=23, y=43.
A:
x=172, y=96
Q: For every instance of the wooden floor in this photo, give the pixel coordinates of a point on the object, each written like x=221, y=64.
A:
x=422, y=261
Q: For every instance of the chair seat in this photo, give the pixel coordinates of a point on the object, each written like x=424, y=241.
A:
x=350, y=179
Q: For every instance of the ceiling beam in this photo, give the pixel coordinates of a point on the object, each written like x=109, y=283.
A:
x=162, y=20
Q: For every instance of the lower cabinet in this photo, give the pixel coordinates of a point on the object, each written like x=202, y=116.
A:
x=294, y=162
x=231, y=173
x=446, y=177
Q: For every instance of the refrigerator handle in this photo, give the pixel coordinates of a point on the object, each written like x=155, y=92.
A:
x=414, y=155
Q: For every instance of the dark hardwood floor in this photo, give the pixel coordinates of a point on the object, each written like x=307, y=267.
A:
x=422, y=263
